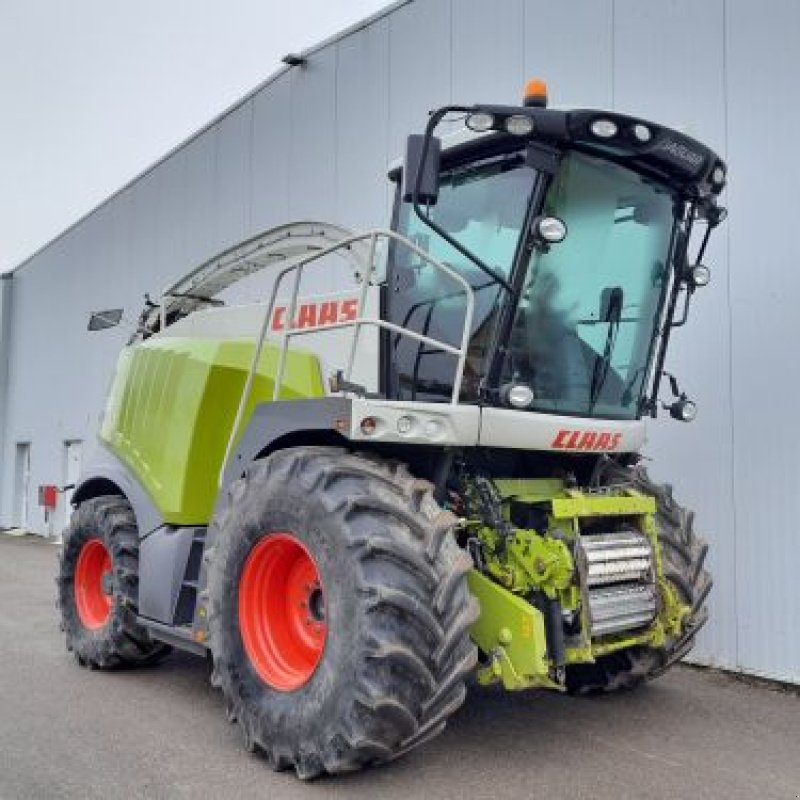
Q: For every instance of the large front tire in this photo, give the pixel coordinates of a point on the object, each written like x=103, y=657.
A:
x=98, y=587
x=683, y=556
x=388, y=648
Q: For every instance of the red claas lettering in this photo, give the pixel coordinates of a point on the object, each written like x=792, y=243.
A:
x=328, y=313
x=349, y=310
x=567, y=439
x=309, y=315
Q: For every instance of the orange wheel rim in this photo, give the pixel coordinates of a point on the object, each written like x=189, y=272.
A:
x=93, y=585
x=282, y=611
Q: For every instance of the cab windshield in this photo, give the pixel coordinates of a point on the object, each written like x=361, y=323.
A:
x=586, y=323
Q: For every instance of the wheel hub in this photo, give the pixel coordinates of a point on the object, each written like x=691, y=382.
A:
x=93, y=585
x=282, y=611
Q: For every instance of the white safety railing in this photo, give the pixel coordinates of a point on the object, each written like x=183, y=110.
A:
x=364, y=275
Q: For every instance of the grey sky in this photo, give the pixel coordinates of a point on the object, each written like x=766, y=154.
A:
x=93, y=91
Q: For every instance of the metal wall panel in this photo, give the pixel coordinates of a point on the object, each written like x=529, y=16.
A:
x=488, y=62
x=362, y=127
x=56, y=372
x=312, y=149
x=570, y=43
x=314, y=142
x=700, y=353
x=232, y=176
x=6, y=292
x=199, y=202
x=419, y=66
x=272, y=134
x=172, y=233
x=765, y=284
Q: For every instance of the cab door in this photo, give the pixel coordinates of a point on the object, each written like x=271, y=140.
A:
x=483, y=206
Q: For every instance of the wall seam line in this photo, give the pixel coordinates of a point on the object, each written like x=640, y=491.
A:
x=731, y=361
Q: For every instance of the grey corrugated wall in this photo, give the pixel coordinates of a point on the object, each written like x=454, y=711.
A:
x=314, y=143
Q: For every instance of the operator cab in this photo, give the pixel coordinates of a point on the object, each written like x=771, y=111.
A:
x=573, y=230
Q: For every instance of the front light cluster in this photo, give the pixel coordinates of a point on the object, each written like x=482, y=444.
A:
x=551, y=229
x=480, y=122
x=517, y=395
x=407, y=426
x=519, y=125
x=718, y=177
x=604, y=128
x=683, y=410
x=699, y=275
x=516, y=124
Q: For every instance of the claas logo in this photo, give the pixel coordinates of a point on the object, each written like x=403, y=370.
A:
x=324, y=312
x=567, y=439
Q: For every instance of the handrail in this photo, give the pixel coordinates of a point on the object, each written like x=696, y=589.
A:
x=365, y=275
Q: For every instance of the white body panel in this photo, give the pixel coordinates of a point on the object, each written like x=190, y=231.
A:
x=332, y=347
x=528, y=430
x=468, y=425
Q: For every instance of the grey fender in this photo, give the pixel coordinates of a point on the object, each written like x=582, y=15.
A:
x=273, y=421
x=106, y=474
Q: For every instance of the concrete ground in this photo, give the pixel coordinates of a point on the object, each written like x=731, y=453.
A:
x=161, y=732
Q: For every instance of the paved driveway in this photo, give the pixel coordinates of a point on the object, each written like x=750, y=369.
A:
x=161, y=732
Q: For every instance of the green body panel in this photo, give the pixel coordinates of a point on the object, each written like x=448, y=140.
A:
x=579, y=504
x=510, y=630
x=172, y=406
x=530, y=489
x=511, y=633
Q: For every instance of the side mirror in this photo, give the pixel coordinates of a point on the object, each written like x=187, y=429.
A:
x=427, y=172
x=101, y=320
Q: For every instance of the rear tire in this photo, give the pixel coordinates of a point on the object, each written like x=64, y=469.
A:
x=98, y=587
x=683, y=556
x=397, y=610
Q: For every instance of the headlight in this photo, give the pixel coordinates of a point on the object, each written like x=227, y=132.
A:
x=480, y=122
x=405, y=425
x=699, y=275
x=683, y=410
x=642, y=133
x=519, y=125
x=520, y=396
x=551, y=229
x=604, y=128
x=718, y=175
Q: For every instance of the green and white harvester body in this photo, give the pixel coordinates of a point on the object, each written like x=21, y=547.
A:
x=350, y=500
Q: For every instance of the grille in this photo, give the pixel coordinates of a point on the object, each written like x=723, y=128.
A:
x=620, y=580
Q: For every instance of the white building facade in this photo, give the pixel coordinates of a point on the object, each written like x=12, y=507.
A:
x=314, y=141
